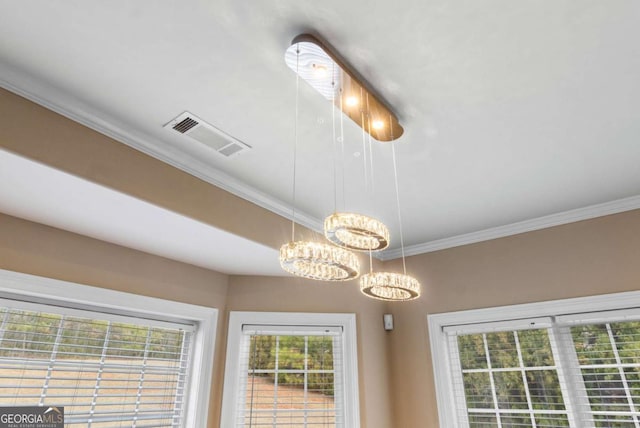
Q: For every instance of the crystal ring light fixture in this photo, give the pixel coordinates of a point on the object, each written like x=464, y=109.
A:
x=356, y=232
x=320, y=261
x=323, y=70
x=389, y=286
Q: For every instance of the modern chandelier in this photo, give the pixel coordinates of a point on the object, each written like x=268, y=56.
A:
x=312, y=61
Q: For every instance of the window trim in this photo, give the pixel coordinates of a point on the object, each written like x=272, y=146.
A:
x=442, y=373
x=38, y=289
x=234, y=340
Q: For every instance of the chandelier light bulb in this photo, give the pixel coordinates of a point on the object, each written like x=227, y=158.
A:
x=377, y=124
x=351, y=101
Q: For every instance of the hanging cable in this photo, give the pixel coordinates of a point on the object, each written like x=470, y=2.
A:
x=395, y=176
x=333, y=139
x=344, y=204
x=295, y=149
x=373, y=188
x=364, y=140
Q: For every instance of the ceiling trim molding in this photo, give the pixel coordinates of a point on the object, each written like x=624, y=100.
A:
x=558, y=219
x=79, y=112
x=74, y=109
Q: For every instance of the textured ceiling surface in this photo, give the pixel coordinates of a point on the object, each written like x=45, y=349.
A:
x=513, y=111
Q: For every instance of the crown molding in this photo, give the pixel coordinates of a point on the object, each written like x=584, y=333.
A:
x=80, y=112
x=74, y=109
x=565, y=217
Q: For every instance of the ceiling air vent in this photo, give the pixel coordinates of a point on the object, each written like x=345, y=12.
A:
x=197, y=129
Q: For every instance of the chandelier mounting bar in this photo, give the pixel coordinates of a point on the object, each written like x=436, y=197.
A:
x=321, y=68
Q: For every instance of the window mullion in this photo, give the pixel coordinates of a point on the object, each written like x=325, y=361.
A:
x=524, y=379
x=457, y=377
x=3, y=326
x=275, y=382
x=339, y=379
x=94, y=399
x=141, y=380
x=182, y=379
x=493, y=384
x=52, y=359
x=252, y=342
x=306, y=379
x=623, y=376
x=570, y=376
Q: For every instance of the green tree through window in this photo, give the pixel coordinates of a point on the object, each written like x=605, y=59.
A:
x=291, y=381
x=512, y=378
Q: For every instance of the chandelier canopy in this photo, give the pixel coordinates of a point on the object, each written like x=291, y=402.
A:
x=321, y=68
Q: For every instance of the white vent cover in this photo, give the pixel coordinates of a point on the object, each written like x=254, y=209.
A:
x=193, y=127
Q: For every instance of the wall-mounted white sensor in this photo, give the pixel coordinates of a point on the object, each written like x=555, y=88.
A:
x=388, y=321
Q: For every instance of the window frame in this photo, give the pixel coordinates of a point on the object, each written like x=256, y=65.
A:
x=503, y=315
x=235, y=335
x=48, y=291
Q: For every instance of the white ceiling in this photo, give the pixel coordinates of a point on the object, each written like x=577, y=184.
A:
x=517, y=115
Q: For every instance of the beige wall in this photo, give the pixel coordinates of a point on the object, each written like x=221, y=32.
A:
x=41, y=250
x=42, y=135
x=45, y=251
x=579, y=259
x=296, y=295
x=395, y=374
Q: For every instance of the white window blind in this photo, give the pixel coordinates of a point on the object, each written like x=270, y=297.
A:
x=607, y=360
x=572, y=372
x=106, y=370
x=291, y=376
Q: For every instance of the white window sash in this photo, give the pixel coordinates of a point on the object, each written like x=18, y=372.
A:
x=86, y=313
x=599, y=317
x=498, y=326
x=291, y=330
